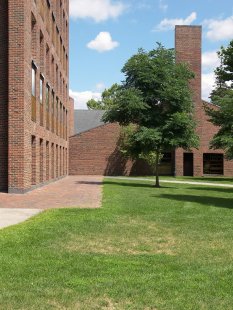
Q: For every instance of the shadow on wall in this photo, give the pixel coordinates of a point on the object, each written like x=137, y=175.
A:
x=118, y=164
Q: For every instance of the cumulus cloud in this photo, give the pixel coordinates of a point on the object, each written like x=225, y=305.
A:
x=221, y=29
x=98, y=10
x=169, y=24
x=210, y=60
x=81, y=98
x=208, y=81
x=103, y=43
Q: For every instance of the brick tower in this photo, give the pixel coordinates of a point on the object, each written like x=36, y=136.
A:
x=188, y=47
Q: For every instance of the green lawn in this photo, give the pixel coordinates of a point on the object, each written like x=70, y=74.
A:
x=147, y=248
x=221, y=180
x=205, y=179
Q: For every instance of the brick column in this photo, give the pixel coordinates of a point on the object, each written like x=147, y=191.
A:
x=4, y=96
x=188, y=42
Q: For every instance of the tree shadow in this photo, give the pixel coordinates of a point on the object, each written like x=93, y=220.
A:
x=116, y=163
x=213, y=189
x=218, y=202
x=131, y=184
x=119, y=165
x=89, y=182
x=210, y=179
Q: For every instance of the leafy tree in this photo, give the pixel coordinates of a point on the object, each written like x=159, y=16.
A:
x=106, y=101
x=222, y=96
x=156, y=101
x=223, y=73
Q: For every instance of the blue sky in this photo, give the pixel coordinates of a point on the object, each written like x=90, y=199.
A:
x=105, y=33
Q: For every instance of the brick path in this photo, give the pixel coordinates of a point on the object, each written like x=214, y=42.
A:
x=73, y=191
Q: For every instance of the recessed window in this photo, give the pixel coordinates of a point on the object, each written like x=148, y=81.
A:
x=33, y=93
x=41, y=89
x=213, y=164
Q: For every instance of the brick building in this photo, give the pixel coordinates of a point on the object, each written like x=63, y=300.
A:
x=35, y=110
x=94, y=148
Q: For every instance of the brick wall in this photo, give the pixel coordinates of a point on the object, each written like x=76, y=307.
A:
x=188, y=43
x=71, y=119
x=4, y=95
x=96, y=152
x=38, y=34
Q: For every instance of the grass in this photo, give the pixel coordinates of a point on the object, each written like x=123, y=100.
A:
x=207, y=179
x=147, y=248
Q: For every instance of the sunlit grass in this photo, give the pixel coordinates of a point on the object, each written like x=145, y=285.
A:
x=146, y=248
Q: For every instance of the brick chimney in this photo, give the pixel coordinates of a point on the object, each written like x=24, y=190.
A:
x=188, y=42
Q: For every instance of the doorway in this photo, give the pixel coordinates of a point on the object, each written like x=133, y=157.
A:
x=188, y=164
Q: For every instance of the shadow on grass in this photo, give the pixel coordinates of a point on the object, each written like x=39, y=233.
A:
x=206, y=179
x=212, y=189
x=205, y=200
x=131, y=184
x=128, y=184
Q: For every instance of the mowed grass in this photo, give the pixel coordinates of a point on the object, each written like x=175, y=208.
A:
x=205, y=179
x=146, y=248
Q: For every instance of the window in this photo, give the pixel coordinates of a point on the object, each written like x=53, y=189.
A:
x=61, y=117
x=41, y=100
x=57, y=115
x=33, y=159
x=213, y=163
x=42, y=49
x=33, y=36
x=52, y=109
x=47, y=105
x=33, y=81
x=33, y=95
x=41, y=89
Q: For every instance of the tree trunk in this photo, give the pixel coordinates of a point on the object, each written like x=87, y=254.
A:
x=157, y=170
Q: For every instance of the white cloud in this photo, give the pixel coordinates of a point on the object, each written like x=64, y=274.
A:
x=103, y=43
x=81, y=98
x=208, y=81
x=219, y=30
x=98, y=10
x=210, y=60
x=169, y=24
x=163, y=6
x=100, y=86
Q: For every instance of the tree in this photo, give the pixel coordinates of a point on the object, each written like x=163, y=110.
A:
x=222, y=96
x=156, y=102
x=106, y=101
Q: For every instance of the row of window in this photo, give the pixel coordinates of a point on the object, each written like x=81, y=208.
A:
x=51, y=109
x=52, y=161
x=55, y=18
x=46, y=53
x=213, y=164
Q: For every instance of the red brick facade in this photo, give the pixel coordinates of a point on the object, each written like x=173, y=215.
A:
x=96, y=151
x=188, y=43
x=35, y=108
x=3, y=96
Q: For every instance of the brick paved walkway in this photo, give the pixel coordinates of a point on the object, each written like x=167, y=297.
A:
x=73, y=191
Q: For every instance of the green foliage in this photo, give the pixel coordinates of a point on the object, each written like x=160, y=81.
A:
x=223, y=73
x=155, y=97
x=223, y=97
x=106, y=101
